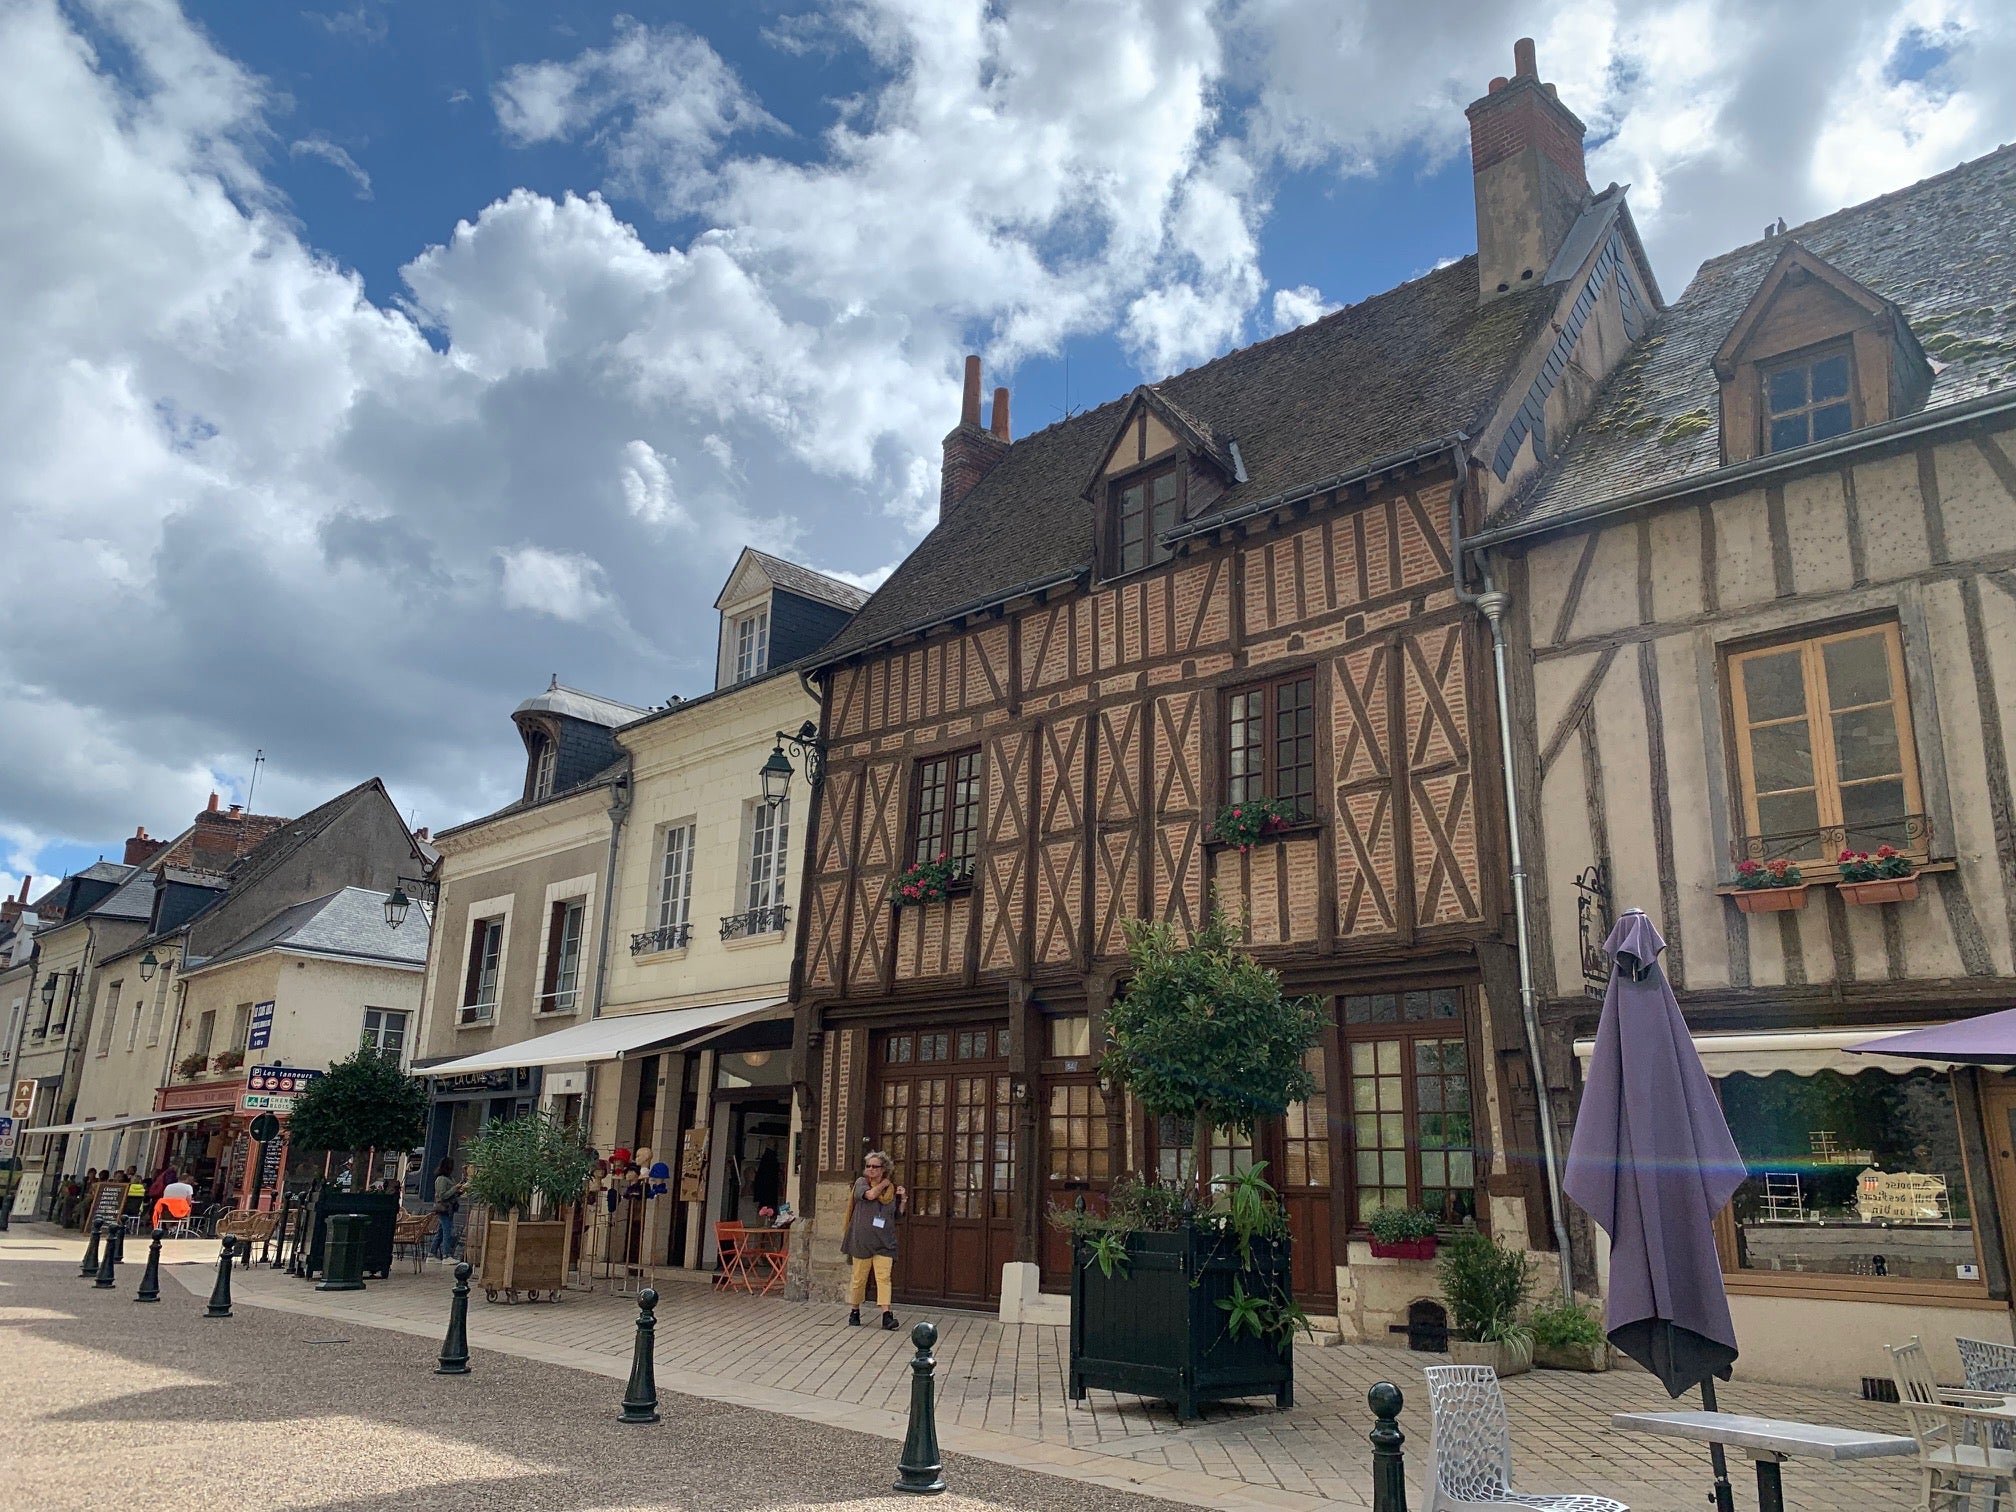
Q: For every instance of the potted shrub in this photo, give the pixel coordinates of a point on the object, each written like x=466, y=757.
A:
x=1885, y=877
x=192, y=1066
x=1569, y=1336
x=363, y=1104
x=531, y=1171
x=1195, y=1306
x=1402, y=1233
x=1769, y=886
x=1485, y=1285
x=1247, y=823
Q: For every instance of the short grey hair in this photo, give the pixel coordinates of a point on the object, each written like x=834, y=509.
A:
x=881, y=1155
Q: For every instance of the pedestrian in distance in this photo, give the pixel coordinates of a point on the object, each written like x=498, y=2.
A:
x=447, y=1197
x=869, y=1236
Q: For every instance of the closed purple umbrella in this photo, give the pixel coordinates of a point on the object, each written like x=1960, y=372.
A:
x=1652, y=1162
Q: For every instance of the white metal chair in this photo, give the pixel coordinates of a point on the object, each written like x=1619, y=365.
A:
x=1472, y=1448
x=1960, y=1467
x=1989, y=1366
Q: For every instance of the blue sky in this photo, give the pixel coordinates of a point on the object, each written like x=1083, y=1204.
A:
x=370, y=363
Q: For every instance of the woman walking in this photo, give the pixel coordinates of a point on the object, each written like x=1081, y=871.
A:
x=447, y=1197
x=869, y=1236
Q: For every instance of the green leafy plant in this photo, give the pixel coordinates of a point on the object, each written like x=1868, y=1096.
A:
x=1203, y=1033
x=930, y=881
x=1247, y=1208
x=1108, y=1251
x=192, y=1066
x=513, y=1160
x=1755, y=876
x=1485, y=1285
x=1244, y=1312
x=1396, y=1225
x=1887, y=865
x=1565, y=1325
x=1246, y=823
x=365, y=1102
x=229, y=1060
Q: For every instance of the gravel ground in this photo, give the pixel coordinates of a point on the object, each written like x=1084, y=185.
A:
x=105, y=1401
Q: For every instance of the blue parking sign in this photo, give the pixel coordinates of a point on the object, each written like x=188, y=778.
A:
x=262, y=1027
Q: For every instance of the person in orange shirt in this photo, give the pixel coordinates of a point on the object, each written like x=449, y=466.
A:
x=174, y=1201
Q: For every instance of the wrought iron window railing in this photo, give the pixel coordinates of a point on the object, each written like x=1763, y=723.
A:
x=1822, y=847
x=664, y=937
x=477, y=1013
x=757, y=921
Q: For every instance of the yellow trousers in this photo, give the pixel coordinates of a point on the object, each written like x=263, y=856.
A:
x=883, y=1267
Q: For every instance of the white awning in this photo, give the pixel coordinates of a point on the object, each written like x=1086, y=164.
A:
x=609, y=1038
x=127, y=1121
x=1802, y=1052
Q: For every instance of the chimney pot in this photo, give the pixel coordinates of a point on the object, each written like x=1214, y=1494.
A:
x=423, y=833
x=1497, y=84
x=969, y=403
x=237, y=809
x=213, y=803
x=1000, y=415
x=1523, y=64
x=24, y=889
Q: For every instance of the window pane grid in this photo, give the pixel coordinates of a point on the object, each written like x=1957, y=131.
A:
x=1271, y=745
x=675, y=881
x=1144, y=509
x=1807, y=401
x=947, y=819
x=1408, y=1084
x=769, y=832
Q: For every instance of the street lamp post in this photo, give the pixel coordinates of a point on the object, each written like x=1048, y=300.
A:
x=777, y=772
x=396, y=906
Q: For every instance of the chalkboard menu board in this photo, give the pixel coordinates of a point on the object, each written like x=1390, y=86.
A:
x=105, y=1202
x=269, y=1166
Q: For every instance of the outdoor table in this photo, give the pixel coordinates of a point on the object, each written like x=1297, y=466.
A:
x=764, y=1254
x=1768, y=1441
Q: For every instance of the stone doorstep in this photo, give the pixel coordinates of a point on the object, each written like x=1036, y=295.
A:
x=1092, y=1466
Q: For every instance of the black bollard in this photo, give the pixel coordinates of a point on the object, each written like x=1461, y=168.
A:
x=280, y=1238
x=90, y=1265
x=108, y=1259
x=920, y=1469
x=150, y=1278
x=220, y=1294
x=640, y=1397
x=117, y=1234
x=1389, y=1466
x=455, y=1348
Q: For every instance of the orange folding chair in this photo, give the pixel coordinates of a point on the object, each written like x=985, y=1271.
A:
x=730, y=1240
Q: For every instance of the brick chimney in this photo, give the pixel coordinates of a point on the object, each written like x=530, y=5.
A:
x=10, y=908
x=142, y=847
x=1526, y=156
x=970, y=451
x=423, y=834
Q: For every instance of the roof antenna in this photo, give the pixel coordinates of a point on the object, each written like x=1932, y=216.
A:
x=258, y=760
x=1069, y=412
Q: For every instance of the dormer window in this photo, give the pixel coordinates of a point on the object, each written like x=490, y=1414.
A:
x=752, y=645
x=1808, y=397
x=545, y=762
x=1143, y=507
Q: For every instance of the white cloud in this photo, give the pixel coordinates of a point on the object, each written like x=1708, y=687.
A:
x=1298, y=306
x=647, y=484
x=564, y=584
x=319, y=146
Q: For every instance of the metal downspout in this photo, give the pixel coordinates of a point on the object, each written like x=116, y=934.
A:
x=1492, y=603
x=619, y=810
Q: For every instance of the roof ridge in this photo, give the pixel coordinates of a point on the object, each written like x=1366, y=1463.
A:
x=1820, y=222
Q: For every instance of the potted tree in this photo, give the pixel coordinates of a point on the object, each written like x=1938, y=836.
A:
x=1197, y=1307
x=1485, y=1285
x=364, y=1104
x=531, y=1171
x=1885, y=877
x=1402, y=1233
x=1569, y=1336
x=1769, y=886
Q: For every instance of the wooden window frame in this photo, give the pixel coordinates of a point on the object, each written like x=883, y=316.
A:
x=1806, y=357
x=948, y=807
x=375, y=1040
x=545, y=767
x=1344, y=1162
x=675, y=904
x=557, y=917
x=764, y=892
x=752, y=644
x=1826, y=768
x=1110, y=532
x=1269, y=688
x=470, y=1009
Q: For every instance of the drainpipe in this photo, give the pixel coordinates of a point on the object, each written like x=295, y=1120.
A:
x=1492, y=603
x=619, y=810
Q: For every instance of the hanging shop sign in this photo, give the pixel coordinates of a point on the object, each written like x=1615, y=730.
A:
x=272, y=1089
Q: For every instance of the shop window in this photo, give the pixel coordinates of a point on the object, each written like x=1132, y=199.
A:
x=1413, y=1134
x=1081, y=1136
x=1270, y=734
x=945, y=813
x=1824, y=753
x=560, y=992
x=1849, y=1175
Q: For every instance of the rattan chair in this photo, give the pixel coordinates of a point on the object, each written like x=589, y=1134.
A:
x=1472, y=1448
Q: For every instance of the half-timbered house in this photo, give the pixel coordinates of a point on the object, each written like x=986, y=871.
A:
x=1231, y=585
x=1763, y=609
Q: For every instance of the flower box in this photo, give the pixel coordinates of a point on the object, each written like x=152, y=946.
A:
x=1883, y=890
x=1584, y=1357
x=1403, y=1249
x=1758, y=900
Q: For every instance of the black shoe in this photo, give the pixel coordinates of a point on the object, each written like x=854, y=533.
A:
x=889, y=1322
x=854, y=1318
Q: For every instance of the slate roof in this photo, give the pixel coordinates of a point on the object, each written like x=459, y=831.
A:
x=807, y=583
x=1408, y=366
x=348, y=923
x=132, y=899
x=273, y=851
x=1942, y=250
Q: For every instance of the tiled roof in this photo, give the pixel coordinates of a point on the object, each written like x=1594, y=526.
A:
x=807, y=583
x=1943, y=251
x=1403, y=367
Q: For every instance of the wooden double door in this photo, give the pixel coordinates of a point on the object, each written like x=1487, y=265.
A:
x=942, y=1105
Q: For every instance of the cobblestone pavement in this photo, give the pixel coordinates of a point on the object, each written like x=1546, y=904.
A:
x=1002, y=1397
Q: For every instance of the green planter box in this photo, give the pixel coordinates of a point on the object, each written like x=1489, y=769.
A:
x=1150, y=1331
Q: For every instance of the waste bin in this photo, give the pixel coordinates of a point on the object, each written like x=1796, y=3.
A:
x=343, y=1252
x=380, y=1211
